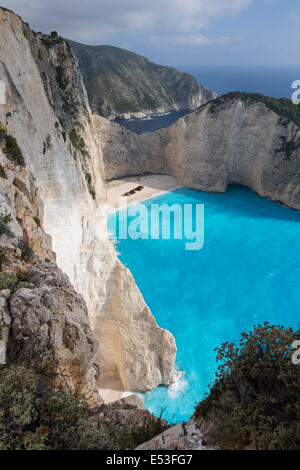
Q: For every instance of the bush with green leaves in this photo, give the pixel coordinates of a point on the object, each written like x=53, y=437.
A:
x=255, y=400
x=27, y=252
x=13, y=151
x=3, y=172
x=34, y=415
x=5, y=220
x=37, y=221
x=3, y=256
x=78, y=142
x=92, y=191
x=12, y=282
x=8, y=280
x=284, y=107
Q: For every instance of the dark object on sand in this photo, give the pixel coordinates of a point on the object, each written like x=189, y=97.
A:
x=133, y=191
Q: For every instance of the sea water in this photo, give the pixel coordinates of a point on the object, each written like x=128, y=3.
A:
x=269, y=80
x=151, y=123
x=266, y=79
x=248, y=272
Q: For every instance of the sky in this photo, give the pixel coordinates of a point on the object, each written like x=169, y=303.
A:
x=173, y=32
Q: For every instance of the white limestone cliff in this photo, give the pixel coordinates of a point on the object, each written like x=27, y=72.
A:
x=236, y=139
x=47, y=111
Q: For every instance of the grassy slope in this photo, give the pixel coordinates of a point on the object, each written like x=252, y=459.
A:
x=121, y=81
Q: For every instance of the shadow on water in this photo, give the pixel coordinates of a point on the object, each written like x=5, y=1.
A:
x=245, y=202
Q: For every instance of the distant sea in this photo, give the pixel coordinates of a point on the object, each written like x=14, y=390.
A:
x=269, y=80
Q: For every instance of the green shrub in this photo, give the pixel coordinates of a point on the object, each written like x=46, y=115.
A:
x=153, y=427
x=37, y=221
x=78, y=142
x=61, y=78
x=284, y=107
x=5, y=219
x=13, y=151
x=7, y=281
x=51, y=40
x=92, y=191
x=27, y=252
x=3, y=256
x=287, y=147
x=13, y=283
x=22, y=285
x=255, y=399
x=35, y=416
x=2, y=173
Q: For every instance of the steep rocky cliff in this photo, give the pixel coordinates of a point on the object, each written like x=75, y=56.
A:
x=237, y=139
x=123, y=84
x=126, y=153
x=47, y=111
x=44, y=323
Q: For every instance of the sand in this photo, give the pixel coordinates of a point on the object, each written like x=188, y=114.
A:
x=153, y=185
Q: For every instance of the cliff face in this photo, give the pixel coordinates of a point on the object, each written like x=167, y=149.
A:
x=126, y=85
x=126, y=153
x=47, y=111
x=44, y=323
x=236, y=139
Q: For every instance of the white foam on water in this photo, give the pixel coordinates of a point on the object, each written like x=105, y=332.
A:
x=179, y=385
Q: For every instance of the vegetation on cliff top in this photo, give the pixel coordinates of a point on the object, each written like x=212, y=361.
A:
x=119, y=81
x=255, y=399
x=284, y=107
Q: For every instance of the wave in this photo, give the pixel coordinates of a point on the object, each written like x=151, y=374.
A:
x=179, y=385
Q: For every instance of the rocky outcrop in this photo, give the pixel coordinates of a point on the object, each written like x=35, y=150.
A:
x=236, y=139
x=134, y=348
x=129, y=414
x=126, y=85
x=184, y=436
x=47, y=111
x=51, y=333
x=44, y=323
x=19, y=197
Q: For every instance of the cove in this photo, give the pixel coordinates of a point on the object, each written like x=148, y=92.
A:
x=248, y=272
x=151, y=123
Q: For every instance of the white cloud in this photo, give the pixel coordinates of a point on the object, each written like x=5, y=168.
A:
x=97, y=21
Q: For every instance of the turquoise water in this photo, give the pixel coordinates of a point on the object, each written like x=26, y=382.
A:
x=247, y=272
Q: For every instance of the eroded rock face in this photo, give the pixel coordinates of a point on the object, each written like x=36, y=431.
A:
x=144, y=359
x=237, y=142
x=126, y=153
x=43, y=322
x=185, y=436
x=51, y=331
x=19, y=197
x=233, y=141
x=47, y=111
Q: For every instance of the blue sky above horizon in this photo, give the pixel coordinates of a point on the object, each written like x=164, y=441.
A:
x=177, y=32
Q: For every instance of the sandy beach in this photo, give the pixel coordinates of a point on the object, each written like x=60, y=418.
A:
x=152, y=185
